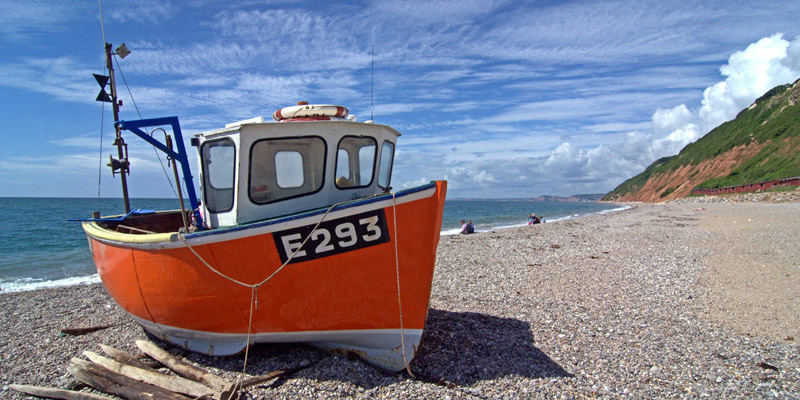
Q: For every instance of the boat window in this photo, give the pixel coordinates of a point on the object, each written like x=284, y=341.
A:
x=286, y=168
x=219, y=163
x=387, y=158
x=290, y=167
x=355, y=162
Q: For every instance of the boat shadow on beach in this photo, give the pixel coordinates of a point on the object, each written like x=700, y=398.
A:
x=467, y=347
x=457, y=347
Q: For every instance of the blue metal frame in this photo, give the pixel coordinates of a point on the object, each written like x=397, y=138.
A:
x=181, y=156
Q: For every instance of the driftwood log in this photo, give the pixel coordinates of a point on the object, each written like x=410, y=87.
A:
x=183, y=369
x=256, y=380
x=130, y=378
x=89, y=329
x=51, y=393
x=125, y=358
x=108, y=381
x=169, y=382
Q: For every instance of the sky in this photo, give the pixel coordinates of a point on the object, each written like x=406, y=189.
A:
x=501, y=98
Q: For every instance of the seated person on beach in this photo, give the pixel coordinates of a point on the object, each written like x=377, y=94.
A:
x=470, y=227
x=463, y=228
x=533, y=219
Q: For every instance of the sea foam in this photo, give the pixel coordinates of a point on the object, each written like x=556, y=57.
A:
x=26, y=284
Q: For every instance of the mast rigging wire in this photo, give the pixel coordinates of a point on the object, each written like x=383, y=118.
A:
x=100, y=158
x=372, y=88
x=102, y=113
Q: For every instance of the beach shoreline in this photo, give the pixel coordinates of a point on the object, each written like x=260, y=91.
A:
x=658, y=301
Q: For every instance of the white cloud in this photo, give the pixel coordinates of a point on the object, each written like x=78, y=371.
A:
x=487, y=162
x=749, y=74
x=667, y=120
x=33, y=18
x=484, y=177
x=62, y=77
x=769, y=62
x=147, y=11
x=89, y=140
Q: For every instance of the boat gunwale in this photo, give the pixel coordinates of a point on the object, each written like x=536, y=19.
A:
x=172, y=239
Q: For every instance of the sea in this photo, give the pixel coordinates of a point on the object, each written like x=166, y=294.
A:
x=41, y=247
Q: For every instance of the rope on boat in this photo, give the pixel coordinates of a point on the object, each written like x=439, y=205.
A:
x=399, y=301
x=182, y=237
x=254, y=287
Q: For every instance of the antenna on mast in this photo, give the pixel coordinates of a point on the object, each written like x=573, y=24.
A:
x=372, y=88
x=102, y=25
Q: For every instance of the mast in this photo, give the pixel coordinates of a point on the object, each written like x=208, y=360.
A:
x=120, y=164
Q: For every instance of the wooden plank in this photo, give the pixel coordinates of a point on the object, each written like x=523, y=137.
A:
x=111, y=382
x=168, y=382
x=52, y=393
x=256, y=380
x=126, y=358
x=85, y=330
x=182, y=368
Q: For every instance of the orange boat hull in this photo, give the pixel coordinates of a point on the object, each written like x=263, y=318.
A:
x=340, y=292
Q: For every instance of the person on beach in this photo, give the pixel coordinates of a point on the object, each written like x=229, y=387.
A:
x=463, y=228
x=470, y=227
x=533, y=219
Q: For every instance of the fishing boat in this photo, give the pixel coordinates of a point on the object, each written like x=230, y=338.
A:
x=296, y=236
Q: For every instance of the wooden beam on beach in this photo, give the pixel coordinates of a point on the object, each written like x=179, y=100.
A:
x=51, y=393
x=88, y=329
x=184, y=369
x=111, y=382
x=169, y=382
x=256, y=380
x=126, y=358
x=122, y=377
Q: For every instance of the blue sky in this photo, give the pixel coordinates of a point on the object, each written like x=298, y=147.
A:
x=501, y=98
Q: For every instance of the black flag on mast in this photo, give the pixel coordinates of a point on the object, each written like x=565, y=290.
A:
x=102, y=80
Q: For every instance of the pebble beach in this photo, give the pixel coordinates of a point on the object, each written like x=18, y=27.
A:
x=698, y=298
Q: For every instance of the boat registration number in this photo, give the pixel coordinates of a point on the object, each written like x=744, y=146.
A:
x=333, y=237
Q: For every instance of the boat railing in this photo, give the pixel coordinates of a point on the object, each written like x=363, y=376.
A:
x=180, y=155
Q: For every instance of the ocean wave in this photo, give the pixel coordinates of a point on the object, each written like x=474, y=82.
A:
x=27, y=284
x=456, y=231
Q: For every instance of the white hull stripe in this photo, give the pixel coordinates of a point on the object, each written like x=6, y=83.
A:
x=382, y=347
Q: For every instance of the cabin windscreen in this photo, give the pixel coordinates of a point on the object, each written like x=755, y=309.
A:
x=286, y=168
x=219, y=163
x=387, y=158
x=355, y=162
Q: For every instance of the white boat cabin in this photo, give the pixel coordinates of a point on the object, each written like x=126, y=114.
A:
x=254, y=170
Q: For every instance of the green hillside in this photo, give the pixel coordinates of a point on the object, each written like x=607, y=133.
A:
x=774, y=122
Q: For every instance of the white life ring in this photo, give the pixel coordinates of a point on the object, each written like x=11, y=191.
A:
x=310, y=111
